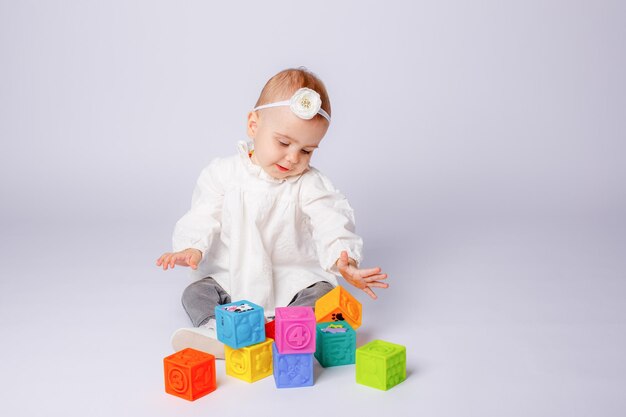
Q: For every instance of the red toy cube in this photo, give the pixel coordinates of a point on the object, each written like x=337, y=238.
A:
x=189, y=374
x=270, y=328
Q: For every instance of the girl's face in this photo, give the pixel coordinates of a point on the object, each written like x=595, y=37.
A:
x=284, y=143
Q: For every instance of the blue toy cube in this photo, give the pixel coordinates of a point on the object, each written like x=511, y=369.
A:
x=336, y=343
x=295, y=330
x=240, y=324
x=292, y=370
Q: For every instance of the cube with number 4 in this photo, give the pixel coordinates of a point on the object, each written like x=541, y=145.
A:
x=295, y=330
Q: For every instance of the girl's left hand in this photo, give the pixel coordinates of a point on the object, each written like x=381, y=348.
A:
x=364, y=279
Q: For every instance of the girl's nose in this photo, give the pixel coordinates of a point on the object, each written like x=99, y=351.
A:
x=293, y=157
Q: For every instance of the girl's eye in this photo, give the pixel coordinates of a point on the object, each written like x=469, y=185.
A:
x=283, y=143
x=306, y=152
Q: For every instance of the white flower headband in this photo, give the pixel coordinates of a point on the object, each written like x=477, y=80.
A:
x=305, y=103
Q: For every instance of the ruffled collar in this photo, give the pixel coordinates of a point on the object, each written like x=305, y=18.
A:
x=244, y=149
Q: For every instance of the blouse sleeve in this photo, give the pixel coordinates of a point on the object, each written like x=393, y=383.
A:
x=199, y=226
x=332, y=222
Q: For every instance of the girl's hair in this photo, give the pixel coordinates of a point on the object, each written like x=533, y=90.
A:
x=282, y=86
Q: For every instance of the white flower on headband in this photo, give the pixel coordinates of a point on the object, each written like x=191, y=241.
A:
x=305, y=103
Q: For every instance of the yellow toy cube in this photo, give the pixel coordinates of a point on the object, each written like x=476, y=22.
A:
x=339, y=305
x=250, y=363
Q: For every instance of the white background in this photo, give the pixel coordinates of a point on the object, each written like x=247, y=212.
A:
x=481, y=145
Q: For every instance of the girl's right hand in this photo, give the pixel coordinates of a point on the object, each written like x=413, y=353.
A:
x=188, y=257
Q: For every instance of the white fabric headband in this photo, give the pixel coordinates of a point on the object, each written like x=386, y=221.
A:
x=305, y=103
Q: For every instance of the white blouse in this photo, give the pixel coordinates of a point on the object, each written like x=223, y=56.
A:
x=264, y=239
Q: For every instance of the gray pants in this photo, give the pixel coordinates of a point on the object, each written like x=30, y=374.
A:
x=200, y=298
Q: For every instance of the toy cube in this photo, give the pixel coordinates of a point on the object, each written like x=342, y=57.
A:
x=270, y=329
x=295, y=330
x=292, y=370
x=380, y=364
x=240, y=324
x=249, y=363
x=335, y=343
x=339, y=305
x=189, y=374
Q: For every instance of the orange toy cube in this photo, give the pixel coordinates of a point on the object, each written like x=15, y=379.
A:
x=189, y=374
x=338, y=305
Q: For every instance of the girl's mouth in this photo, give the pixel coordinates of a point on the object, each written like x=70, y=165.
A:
x=282, y=168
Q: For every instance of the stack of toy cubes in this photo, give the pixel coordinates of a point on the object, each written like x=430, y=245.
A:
x=339, y=315
x=241, y=327
x=294, y=347
x=329, y=334
x=379, y=364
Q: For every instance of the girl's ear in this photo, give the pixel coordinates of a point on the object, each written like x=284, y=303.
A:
x=253, y=119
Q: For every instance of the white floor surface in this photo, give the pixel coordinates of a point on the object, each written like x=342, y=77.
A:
x=500, y=322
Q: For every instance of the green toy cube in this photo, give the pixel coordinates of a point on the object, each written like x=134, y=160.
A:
x=380, y=364
x=335, y=343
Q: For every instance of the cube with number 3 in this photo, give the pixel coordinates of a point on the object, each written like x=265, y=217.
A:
x=295, y=330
